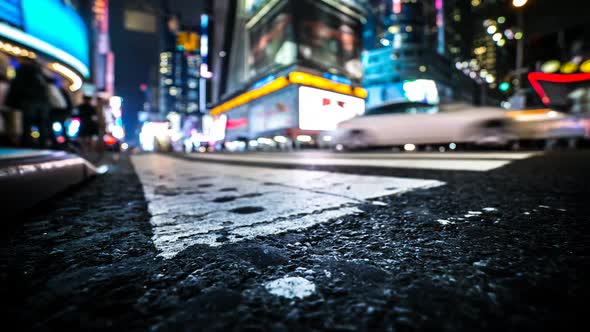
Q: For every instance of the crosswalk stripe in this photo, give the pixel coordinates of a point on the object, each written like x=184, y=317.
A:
x=200, y=203
x=459, y=162
x=393, y=155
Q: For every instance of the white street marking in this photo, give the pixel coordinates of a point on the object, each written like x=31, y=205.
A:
x=291, y=287
x=481, y=162
x=202, y=203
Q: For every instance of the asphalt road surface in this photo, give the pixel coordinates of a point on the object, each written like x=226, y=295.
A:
x=308, y=241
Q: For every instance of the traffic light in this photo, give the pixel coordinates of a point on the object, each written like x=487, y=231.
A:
x=504, y=86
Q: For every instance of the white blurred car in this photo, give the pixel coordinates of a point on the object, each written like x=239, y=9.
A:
x=412, y=123
x=547, y=124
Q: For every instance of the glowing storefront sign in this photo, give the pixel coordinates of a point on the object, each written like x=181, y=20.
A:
x=397, y=6
x=70, y=75
x=213, y=128
x=323, y=110
x=300, y=78
x=151, y=132
x=536, y=77
x=10, y=11
x=53, y=28
x=421, y=91
x=116, y=128
x=440, y=24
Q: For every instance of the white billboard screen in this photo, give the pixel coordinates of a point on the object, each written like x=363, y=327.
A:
x=323, y=110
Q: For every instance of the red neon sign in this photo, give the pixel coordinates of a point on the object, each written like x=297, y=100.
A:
x=397, y=6
x=236, y=123
x=536, y=77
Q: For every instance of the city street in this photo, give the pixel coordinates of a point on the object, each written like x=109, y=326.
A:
x=308, y=241
x=295, y=165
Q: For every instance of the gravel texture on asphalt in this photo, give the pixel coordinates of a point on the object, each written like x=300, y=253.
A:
x=505, y=250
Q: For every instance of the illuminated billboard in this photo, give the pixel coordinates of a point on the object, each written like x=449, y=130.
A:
x=329, y=39
x=10, y=11
x=421, y=91
x=50, y=27
x=275, y=111
x=323, y=110
x=272, y=43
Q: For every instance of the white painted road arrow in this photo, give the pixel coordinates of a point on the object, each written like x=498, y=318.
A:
x=208, y=203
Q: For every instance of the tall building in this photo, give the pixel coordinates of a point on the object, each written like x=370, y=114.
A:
x=223, y=19
x=295, y=69
x=63, y=48
x=183, y=74
x=410, y=40
x=103, y=56
x=179, y=73
x=134, y=39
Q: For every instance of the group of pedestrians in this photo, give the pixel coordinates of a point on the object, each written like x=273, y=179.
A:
x=45, y=104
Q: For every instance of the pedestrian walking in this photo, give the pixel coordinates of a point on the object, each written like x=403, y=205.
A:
x=28, y=93
x=59, y=107
x=89, y=128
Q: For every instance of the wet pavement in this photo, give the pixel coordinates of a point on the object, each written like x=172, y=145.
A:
x=167, y=243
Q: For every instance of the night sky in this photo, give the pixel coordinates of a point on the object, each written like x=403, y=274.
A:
x=188, y=9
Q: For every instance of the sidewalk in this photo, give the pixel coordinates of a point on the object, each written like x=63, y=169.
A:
x=28, y=177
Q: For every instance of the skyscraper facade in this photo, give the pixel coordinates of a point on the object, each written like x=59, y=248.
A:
x=409, y=40
x=295, y=69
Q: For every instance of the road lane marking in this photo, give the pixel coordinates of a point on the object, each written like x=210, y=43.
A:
x=396, y=155
x=453, y=162
x=212, y=204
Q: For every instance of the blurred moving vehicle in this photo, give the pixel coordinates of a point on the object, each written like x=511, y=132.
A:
x=413, y=123
x=547, y=125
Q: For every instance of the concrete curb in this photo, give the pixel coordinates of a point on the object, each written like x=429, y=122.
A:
x=29, y=179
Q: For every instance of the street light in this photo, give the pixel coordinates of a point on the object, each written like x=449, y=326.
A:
x=519, y=3
x=519, y=40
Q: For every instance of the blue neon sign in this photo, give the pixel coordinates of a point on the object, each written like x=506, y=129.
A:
x=337, y=78
x=10, y=12
x=50, y=27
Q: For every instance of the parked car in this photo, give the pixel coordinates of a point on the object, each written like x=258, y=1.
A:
x=415, y=123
